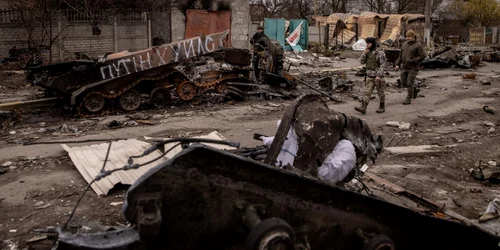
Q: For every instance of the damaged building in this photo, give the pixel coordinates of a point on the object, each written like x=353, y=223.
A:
x=345, y=28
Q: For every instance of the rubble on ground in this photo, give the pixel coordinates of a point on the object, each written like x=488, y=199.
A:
x=449, y=57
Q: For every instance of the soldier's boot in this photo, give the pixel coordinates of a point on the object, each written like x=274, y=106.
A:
x=381, y=108
x=409, y=96
x=362, y=109
x=415, y=92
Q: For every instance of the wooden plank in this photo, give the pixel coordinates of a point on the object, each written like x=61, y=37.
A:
x=418, y=150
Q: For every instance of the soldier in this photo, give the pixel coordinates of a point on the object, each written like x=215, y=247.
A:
x=410, y=57
x=257, y=47
x=375, y=61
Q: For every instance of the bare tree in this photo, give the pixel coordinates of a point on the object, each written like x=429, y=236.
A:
x=378, y=6
x=37, y=18
x=333, y=6
x=412, y=6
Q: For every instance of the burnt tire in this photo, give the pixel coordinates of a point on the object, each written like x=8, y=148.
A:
x=272, y=233
x=379, y=242
x=160, y=97
x=94, y=102
x=130, y=100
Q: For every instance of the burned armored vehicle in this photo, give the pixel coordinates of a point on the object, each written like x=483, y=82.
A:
x=205, y=198
x=182, y=69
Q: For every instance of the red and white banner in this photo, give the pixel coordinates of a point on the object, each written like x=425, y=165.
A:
x=294, y=38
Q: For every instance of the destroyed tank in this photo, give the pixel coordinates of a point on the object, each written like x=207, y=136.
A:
x=121, y=79
x=205, y=198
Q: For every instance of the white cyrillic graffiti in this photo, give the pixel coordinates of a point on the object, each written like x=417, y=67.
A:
x=165, y=54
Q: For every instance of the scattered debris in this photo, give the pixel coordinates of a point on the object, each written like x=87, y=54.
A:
x=12, y=132
x=483, y=82
x=131, y=123
x=405, y=126
x=470, y=76
x=7, y=164
x=489, y=124
x=418, y=150
x=39, y=204
x=393, y=124
x=476, y=190
x=138, y=116
x=36, y=238
x=491, y=130
x=160, y=117
x=114, y=204
x=13, y=231
x=488, y=110
x=114, y=124
x=43, y=206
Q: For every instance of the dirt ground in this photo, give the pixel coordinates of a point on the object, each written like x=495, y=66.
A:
x=449, y=112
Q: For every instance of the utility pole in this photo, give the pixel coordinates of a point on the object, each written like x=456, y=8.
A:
x=428, y=10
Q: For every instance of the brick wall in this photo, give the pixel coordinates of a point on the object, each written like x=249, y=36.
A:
x=117, y=34
x=240, y=14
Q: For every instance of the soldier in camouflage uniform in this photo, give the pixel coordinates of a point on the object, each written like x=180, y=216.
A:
x=375, y=61
x=411, y=56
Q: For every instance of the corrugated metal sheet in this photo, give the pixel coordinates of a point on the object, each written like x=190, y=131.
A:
x=392, y=27
x=202, y=22
x=274, y=28
x=89, y=160
x=345, y=37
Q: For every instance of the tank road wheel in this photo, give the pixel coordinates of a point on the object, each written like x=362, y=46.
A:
x=271, y=234
x=94, y=102
x=379, y=242
x=160, y=97
x=130, y=100
x=186, y=90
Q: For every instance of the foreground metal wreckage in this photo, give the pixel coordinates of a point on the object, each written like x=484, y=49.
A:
x=204, y=198
x=187, y=68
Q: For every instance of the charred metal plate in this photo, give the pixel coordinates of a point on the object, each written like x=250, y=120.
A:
x=199, y=188
x=238, y=57
x=113, y=240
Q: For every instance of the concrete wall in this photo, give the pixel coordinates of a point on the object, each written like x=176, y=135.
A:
x=76, y=36
x=240, y=15
x=314, y=34
x=178, y=25
x=160, y=25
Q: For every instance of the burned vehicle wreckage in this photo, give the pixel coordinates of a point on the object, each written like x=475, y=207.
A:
x=205, y=198
x=182, y=69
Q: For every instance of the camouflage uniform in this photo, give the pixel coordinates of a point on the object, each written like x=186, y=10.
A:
x=375, y=64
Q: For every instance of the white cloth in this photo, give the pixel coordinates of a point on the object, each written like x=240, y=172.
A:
x=339, y=163
x=288, y=150
x=359, y=45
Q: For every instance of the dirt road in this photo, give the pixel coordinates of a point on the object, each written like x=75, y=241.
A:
x=43, y=172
